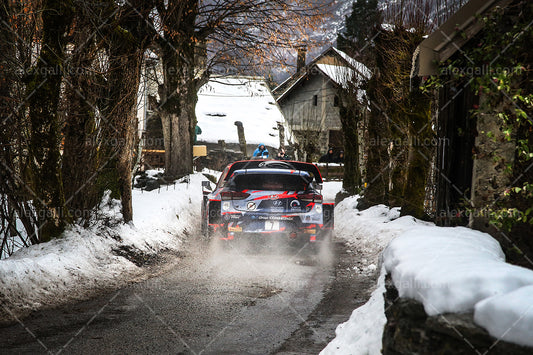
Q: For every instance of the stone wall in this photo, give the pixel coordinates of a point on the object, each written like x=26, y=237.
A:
x=409, y=330
x=493, y=153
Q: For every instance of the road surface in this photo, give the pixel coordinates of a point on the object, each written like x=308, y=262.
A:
x=208, y=300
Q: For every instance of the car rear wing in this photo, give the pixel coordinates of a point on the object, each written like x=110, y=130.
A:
x=276, y=164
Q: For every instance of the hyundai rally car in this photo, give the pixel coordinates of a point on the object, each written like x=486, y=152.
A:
x=267, y=197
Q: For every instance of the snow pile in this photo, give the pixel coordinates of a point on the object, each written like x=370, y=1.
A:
x=61, y=269
x=224, y=100
x=330, y=190
x=446, y=269
x=368, y=231
x=509, y=316
x=362, y=333
x=84, y=260
x=462, y=270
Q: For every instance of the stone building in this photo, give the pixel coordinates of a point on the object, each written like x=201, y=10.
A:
x=309, y=101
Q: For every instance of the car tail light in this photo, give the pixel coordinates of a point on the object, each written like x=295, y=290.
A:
x=310, y=197
x=233, y=195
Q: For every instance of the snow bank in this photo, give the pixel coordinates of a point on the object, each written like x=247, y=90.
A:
x=83, y=260
x=509, y=316
x=368, y=231
x=61, y=269
x=446, y=269
x=362, y=333
x=462, y=270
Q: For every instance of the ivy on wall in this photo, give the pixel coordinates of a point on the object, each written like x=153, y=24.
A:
x=498, y=65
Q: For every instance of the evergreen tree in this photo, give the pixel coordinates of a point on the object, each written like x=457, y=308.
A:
x=359, y=26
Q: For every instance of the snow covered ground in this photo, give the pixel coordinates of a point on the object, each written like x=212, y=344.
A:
x=224, y=100
x=84, y=260
x=369, y=231
x=446, y=269
x=462, y=270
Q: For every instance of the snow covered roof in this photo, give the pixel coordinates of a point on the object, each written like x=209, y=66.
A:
x=357, y=66
x=341, y=76
x=333, y=63
x=225, y=100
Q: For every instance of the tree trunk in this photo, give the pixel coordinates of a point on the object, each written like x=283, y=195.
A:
x=187, y=122
x=43, y=90
x=377, y=164
x=419, y=161
x=398, y=149
x=350, y=117
x=127, y=43
x=121, y=120
x=178, y=93
x=79, y=153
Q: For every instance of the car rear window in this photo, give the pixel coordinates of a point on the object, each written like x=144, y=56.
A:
x=270, y=182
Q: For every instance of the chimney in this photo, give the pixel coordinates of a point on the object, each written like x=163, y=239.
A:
x=300, y=60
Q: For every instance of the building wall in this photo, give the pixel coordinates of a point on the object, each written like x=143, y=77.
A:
x=490, y=176
x=303, y=115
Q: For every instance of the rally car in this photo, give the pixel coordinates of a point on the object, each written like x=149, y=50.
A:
x=267, y=197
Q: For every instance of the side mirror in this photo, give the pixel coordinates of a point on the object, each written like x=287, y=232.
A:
x=318, y=186
x=206, y=184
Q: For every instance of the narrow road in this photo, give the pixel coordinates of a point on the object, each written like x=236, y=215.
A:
x=210, y=300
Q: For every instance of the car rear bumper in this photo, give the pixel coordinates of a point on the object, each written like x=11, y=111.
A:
x=291, y=228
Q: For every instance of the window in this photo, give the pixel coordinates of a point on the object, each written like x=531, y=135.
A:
x=336, y=101
x=315, y=100
x=270, y=182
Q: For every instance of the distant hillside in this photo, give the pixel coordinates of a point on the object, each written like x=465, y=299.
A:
x=326, y=35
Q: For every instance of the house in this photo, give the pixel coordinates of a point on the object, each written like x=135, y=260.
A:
x=310, y=103
x=236, y=114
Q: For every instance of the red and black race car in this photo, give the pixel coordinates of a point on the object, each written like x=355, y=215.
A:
x=268, y=197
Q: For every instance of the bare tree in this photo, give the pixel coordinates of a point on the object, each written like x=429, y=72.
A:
x=69, y=84
x=69, y=79
x=18, y=29
x=128, y=38
x=224, y=34
x=42, y=92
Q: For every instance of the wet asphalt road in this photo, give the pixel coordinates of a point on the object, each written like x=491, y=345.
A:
x=209, y=300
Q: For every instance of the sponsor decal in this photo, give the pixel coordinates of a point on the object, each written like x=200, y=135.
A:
x=277, y=203
x=295, y=204
x=234, y=229
x=251, y=206
x=276, y=218
x=274, y=197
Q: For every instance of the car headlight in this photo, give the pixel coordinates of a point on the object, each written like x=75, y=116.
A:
x=318, y=208
x=226, y=205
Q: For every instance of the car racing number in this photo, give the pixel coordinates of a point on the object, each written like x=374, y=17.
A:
x=271, y=225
